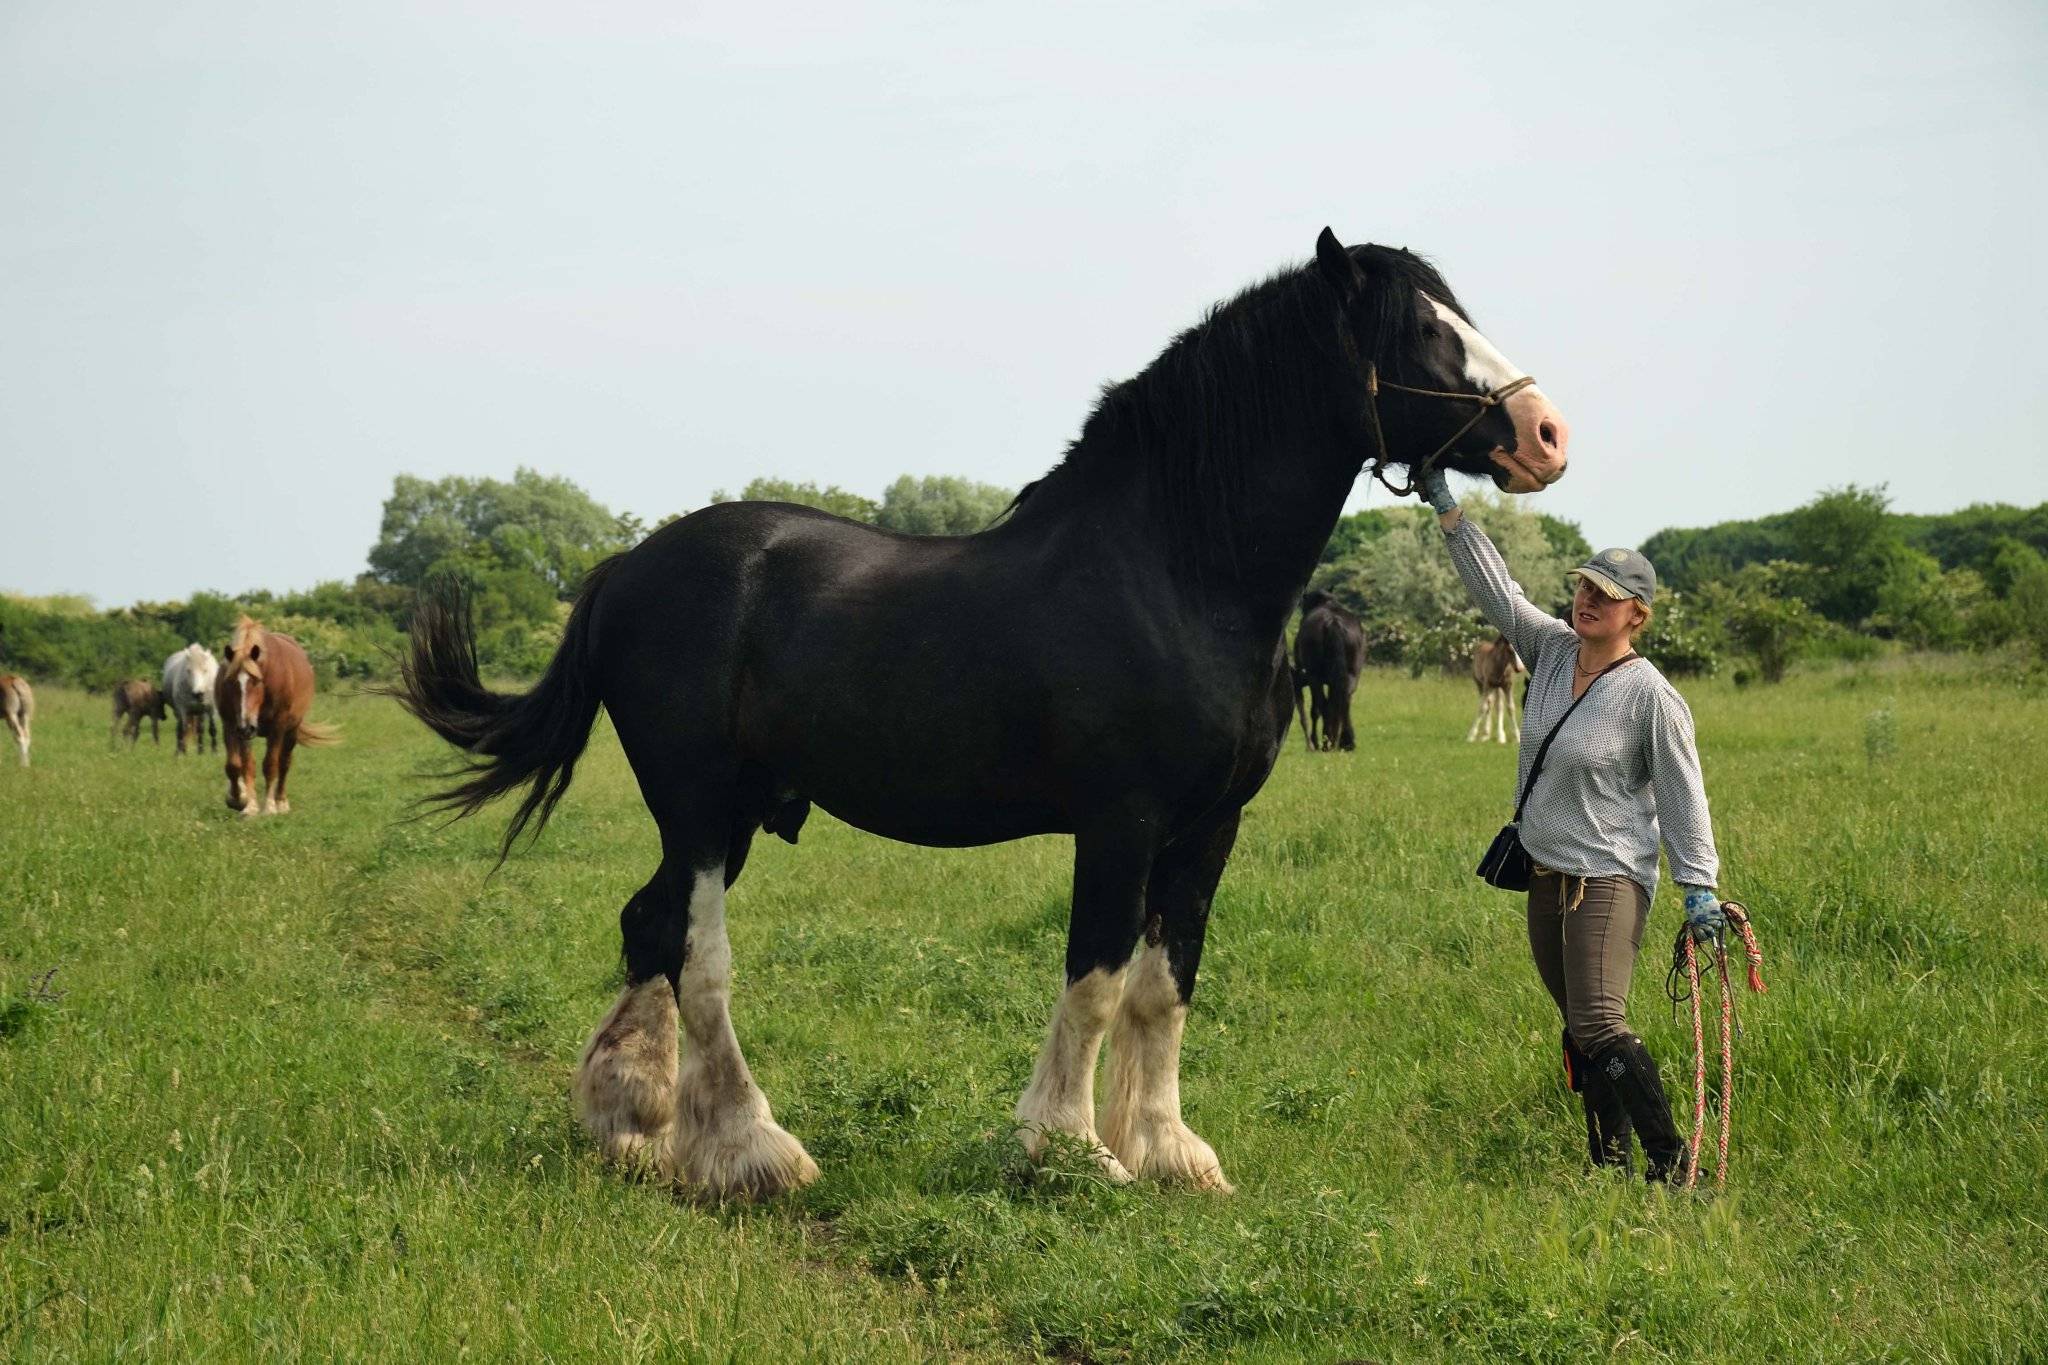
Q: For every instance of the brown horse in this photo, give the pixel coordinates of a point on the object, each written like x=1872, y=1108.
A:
x=18, y=705
x=1494, y=665
x=265, y=688
x=134, y=702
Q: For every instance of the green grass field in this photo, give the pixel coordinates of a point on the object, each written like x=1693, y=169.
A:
x=300, y=1086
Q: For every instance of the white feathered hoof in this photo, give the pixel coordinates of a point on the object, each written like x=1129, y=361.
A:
x=626, y=1085
x=735, y=1154
x=1168, y=1151
x=1038, y=1141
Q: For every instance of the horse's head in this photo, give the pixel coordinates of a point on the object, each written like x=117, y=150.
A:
x=201, y=668
x=1313, y=598
x=1433, y=391
x=239, y=687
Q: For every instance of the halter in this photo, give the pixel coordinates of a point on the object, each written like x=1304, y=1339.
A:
x=1373, y=385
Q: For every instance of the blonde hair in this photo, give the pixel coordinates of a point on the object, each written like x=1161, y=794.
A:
x=1639, y=627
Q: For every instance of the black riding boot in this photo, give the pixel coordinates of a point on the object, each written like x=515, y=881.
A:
x=1631, y=1073
x=1608, y=1131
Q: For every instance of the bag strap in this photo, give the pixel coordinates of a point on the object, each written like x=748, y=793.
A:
x=1537, y=766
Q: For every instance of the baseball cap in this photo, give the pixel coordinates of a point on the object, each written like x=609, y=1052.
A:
x=1620, y=574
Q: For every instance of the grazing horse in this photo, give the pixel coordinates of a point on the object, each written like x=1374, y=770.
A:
x=135, y=701
x=1105, y=661
x=1329, y=654
x=189, y=677
x=18, y=706
x=265, y=689
x=1494, y=666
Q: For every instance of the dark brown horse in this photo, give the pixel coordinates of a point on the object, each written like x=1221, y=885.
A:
x=1105, y=661
x=18, y=708
x=265, y=688
x=134, y=702
x=1329, y=656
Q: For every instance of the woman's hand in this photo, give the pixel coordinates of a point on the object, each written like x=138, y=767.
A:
x=1433, y=488
x=1703, y=917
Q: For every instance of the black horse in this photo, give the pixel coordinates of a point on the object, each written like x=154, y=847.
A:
x=1105, y=661
x=1329, y=654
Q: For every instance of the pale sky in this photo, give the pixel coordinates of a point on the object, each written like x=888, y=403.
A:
x=257, y=259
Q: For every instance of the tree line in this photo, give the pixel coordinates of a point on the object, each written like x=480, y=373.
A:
x=519, y=548
x=1842, y=576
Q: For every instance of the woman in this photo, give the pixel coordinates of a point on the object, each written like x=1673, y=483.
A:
x=1622, y=771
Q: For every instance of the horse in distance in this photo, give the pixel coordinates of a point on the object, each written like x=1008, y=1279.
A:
x=264, y=689
x=189, y=677
x=1494, y=666
x=18, y=708
x=1134, y=696
x=1329, y=655
x=134, y=702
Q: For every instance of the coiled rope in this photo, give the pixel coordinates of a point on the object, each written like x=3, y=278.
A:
x=1685, y=959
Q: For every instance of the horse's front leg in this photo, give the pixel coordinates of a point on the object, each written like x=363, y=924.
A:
x=1141, y=1120
x=1110, y=872
x=273, y=763
x=288, y=743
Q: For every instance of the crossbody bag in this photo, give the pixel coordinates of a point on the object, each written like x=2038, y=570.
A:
x=1507, y=864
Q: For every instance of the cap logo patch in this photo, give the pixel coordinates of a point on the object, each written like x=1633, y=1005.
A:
x=1616, y=556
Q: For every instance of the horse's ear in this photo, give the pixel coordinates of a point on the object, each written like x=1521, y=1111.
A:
x=255, y=653
x=1338, y=268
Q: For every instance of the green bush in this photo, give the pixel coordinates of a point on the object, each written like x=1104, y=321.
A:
x=1678, y=641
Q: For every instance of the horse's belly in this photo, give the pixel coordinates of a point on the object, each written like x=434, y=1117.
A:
x=940, y=824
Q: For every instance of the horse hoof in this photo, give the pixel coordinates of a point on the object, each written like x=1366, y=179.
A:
x=1170, y=1152
x=626, y=1083
x=742, y=1159
x=1049, y=1146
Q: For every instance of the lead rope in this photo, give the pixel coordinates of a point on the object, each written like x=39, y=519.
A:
x=1687, y=952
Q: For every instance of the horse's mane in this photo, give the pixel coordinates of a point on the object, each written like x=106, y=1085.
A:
x=1251, y=368
x=248, y=633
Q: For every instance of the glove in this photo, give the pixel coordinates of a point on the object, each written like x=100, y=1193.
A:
x=1433, y=488
x=1703, y=917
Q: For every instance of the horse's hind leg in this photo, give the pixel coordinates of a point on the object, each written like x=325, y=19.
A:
x=1110, y=872
x=698, y=1117
x=626, y=1083
x=1141, y=1120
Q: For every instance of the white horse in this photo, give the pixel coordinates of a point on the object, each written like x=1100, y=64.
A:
x=1494, y=666
x=188, y=686
x=18, y=705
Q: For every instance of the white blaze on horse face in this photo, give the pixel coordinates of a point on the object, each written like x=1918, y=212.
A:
x=1541, y=434
x=1486, y=369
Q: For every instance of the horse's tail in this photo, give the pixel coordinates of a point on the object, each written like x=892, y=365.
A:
x=530, y=739
x=318, y=732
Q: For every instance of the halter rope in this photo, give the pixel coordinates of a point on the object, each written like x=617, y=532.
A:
x=1373, y=385
x=1685, y=956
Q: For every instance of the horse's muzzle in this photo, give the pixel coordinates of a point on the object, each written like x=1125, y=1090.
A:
x=1542, y=438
